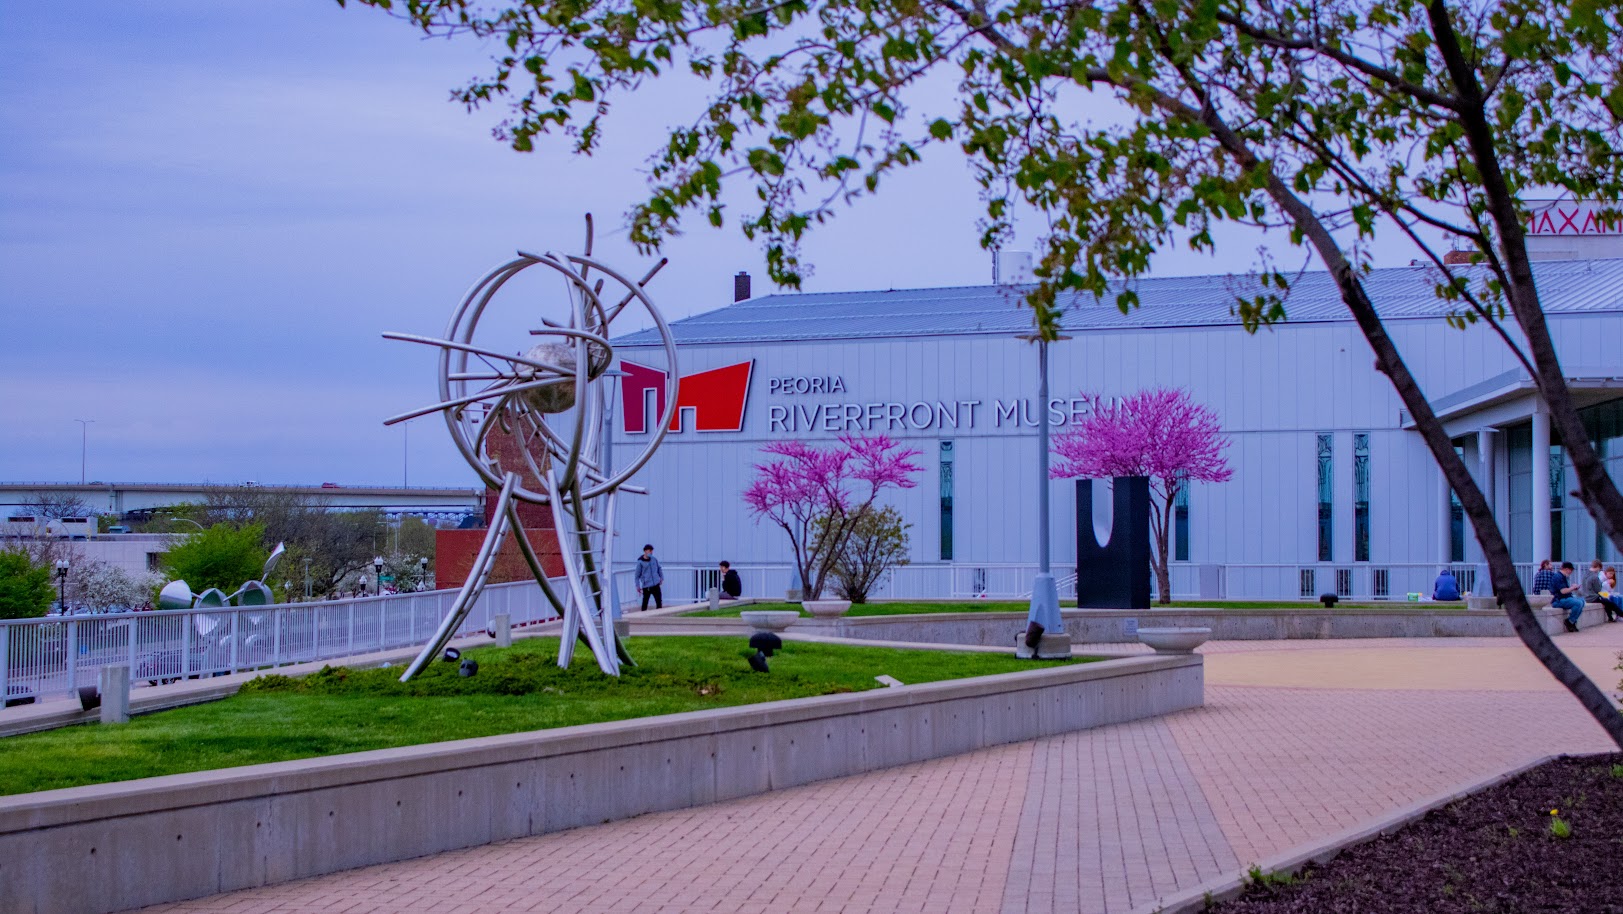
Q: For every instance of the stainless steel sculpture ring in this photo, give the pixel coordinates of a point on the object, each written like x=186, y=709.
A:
x=536, y=428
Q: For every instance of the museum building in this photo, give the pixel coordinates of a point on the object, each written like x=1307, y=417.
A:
x=1333, y=490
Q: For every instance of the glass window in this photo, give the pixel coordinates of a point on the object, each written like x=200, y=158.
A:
x=1180, y=524
x=1361, y=497
x=1326, y=495
x=946, y=501
x=1456, y=520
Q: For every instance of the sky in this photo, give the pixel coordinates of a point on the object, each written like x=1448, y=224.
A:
x=209, y=212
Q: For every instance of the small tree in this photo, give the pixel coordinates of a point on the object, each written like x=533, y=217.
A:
x=222, y=556
x=818, y=496
x=25, y=588
x=878, y=543
x=1159, y=433
x=101, y=585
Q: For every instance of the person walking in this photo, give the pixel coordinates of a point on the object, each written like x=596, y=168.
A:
x=649, y=578
x=732, y=586
x=1567, y=597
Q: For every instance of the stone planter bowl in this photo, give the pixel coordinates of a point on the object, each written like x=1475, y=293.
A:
x=827, y=609
x=1174, y=640
x=769, y=620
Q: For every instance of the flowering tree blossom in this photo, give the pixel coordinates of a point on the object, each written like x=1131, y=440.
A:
x=818, y=495
x=1159, y=433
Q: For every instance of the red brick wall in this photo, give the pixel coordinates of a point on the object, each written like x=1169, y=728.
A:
x=455, y=550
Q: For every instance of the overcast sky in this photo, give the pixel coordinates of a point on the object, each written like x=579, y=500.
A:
x=210, y=211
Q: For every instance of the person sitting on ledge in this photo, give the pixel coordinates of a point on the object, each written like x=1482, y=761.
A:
x=1546, y=581
x=1595, y=591
x=732, y=587
x=1567, y=598
x=1446, y=589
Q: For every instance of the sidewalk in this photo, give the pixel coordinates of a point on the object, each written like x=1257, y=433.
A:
x=1298, y=741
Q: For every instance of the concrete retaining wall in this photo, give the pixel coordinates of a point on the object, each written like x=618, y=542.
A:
x=1110, y=626
x=116, y=846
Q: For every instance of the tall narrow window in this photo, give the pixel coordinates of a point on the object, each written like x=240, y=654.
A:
x=1558, y=491
x=1361, y=497
x=1180, y=524
x=1326, y=495
x=946, y=501
x=1456, y=521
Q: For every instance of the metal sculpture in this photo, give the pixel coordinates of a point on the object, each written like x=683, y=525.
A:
x=178, y=594
x=1114, y=574
x=554, y=402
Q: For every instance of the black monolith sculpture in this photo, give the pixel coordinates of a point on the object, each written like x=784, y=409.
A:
x=1115, y=575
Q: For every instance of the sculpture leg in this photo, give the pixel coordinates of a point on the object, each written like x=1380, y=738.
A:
x=567, y=526
x=471, y=588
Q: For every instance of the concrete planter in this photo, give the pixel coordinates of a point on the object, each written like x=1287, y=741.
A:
x=827, y=609
x=181, y=836
x=1181, y=640
x=769, y=620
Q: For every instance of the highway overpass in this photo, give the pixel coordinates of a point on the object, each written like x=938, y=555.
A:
x=122, y=497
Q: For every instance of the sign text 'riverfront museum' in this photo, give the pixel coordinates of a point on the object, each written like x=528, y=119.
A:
x=1329, y=476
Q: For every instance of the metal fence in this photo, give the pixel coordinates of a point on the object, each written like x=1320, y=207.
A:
x=991, y=581
x=55, y=655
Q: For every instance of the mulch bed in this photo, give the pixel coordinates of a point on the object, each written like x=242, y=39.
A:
x=1492, y=853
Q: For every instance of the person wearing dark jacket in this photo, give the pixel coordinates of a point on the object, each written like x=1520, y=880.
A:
x=732, y=587
x=1568, y=597
x=649, y=578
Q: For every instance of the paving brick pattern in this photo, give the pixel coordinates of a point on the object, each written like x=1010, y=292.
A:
x=1106, y=820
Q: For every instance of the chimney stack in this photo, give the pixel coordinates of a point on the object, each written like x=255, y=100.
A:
x=741, y=286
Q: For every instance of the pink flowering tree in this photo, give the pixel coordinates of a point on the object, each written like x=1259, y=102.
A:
x=819, y=495
x=1160, y=433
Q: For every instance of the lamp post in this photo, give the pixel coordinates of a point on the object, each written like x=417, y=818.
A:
x=84, y=445
x=377, y=566
x=62, y=585
x=422, y=573
x=306, y=579
x=1044, y=609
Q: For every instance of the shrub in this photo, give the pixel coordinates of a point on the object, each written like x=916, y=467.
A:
x=25, y=589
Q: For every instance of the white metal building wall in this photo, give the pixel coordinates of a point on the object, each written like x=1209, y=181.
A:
x=1273, y=391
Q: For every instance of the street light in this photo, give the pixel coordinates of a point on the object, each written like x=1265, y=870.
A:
x=62, y=585
x=306, y=579
x=377, y=565
x=1044, y=609
x=422, y=573
x=84, y=445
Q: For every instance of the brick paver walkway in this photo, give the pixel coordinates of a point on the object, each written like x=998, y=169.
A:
x=1298, y=741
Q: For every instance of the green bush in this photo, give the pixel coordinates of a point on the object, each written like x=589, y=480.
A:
x=222, y=556
x=25, y=591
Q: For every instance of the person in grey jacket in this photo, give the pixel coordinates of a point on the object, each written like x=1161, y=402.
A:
x=649, y=578
x=1594, y=583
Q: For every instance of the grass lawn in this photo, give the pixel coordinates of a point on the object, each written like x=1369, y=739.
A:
x=338, y=710
x=994, y=606
x=877, y=609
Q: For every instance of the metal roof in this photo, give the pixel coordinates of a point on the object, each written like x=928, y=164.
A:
x=1181, y=301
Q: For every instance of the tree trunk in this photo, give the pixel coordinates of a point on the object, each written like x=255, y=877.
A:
x=1506, y=585
x=1595, y=486
x=1163, y=531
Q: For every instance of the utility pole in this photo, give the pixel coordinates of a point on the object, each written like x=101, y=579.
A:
x=84, y=445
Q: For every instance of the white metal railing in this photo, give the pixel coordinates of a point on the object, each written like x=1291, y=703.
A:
x=57, y=654
x=1005, y=581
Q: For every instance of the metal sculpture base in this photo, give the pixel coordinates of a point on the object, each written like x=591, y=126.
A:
x=598, y=630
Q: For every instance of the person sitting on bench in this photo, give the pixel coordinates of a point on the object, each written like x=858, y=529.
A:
x=1446, y=589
